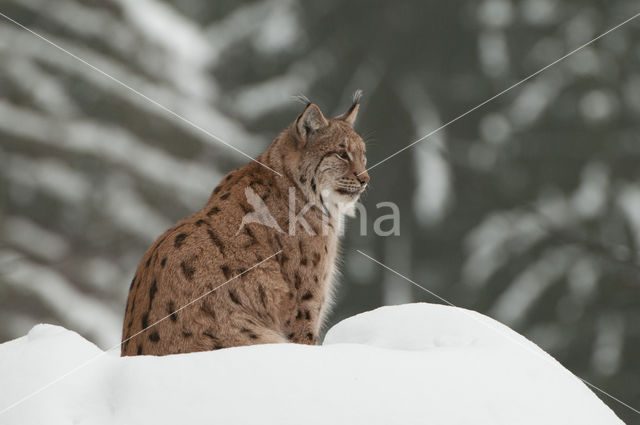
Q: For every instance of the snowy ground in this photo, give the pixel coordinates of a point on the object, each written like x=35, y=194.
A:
x=409, y=364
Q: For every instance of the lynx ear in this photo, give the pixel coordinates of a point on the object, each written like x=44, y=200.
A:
x=351, y=114
x=310, y=120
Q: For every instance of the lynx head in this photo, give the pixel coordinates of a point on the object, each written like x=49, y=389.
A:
x=330, y=156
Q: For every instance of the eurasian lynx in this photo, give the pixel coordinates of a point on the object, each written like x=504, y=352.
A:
x=247, y=220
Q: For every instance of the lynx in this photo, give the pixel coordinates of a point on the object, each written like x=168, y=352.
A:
x=267, y=272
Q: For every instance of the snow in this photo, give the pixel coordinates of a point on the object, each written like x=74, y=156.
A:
x=27, y=235
x=187, y=47
x=408, y=364
x=115, y=146
x=63, y=298
x=432, y=197
x=629, y=202
x=513, y=305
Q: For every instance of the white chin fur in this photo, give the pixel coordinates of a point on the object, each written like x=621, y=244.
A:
x=339, y=204
x=349, y=209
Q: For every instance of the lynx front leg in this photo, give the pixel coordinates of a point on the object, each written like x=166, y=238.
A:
x=250, y=335
x=302, y=326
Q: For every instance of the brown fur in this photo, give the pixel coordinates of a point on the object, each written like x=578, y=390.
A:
x=285, y=298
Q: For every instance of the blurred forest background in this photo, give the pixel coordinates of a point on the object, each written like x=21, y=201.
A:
x=527, y=210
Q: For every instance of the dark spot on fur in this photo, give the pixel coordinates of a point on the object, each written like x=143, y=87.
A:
x=200, y=222
x=163, y=262
x=217, y=189
x=179, y=241
x=234, y=297
x=303, y=179
x=309, y=336
x=303, y=261
x=162, y=239
x=186, y=333
x=172, y=311
x=282, y=258
x=299, y=315
x=288, y=322
x=216, y=241
x=218, y=347
x=229, y=177
x=130, y=324
x=249, y=232
x=132, y=282
x=152, y=292
x=307, y=315
x=298, y=281
x=245, y=208
x=208, y=310
x=290, y=336
x=263, y=296
x=249, y=332
x=154, y=337
x=148, y=262
x=145, y=320
x=213, y=211
x=209, y=335
x=188, y=270
x=225, y=196
x=139, y=349
x=316, y=258
x=313, y=185
x=315, y=278
x=307, y=296
x=226, y=271
x=133, y=302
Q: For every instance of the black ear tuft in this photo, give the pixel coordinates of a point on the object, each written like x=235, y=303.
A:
x=356, y=98
x=352, y=113
x=302, y=99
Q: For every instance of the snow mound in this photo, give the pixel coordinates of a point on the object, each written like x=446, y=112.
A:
x=410, y=364
x=425, y=326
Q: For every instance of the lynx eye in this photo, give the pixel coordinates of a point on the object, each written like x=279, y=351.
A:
x=344, y=155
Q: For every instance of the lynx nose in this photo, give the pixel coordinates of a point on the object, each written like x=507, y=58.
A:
x=362, y=177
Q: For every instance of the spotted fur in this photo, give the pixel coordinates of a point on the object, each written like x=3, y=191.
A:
x=283, y=299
